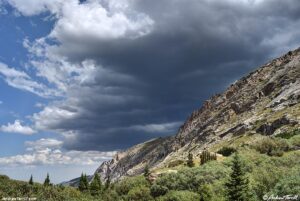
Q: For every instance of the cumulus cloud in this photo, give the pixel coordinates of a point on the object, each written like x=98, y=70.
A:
x=33, y=7
x=43, y=144
x=93, y=18
x=56, y=157
x=17, y=127
x=129, y=69
x=48, y=152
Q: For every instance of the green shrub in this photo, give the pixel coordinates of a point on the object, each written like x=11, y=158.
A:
x=289, y=185
x=295, y=142
x=205, y=192
x=191, y=178
x=157, y=190
x=180, y=196
x=288, y=135
x=123, y=187
x=139, y=193
x=226, y=151
x=110, y=195
x=272, y=146
x=266, y=172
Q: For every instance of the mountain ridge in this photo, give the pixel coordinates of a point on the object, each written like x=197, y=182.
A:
x=264, y=102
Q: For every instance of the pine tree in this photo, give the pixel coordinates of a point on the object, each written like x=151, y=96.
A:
x=86, y=182
x=190, y=161
x=47, y=180
x=31, y=180
x=146, y=171
x=96, y=185
x=83, y=183
x=237, y=186
x=206, y=156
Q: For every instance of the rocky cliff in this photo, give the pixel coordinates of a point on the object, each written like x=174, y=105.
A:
x=265, y=102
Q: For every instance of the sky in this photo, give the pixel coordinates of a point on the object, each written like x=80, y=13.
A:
x=80, y=80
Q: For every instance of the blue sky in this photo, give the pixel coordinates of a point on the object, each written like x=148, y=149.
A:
x=80, y=80
x=14, y=102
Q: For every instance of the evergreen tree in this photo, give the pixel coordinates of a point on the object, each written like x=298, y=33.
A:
x=81, y=186
x=31, y=180
x=83, y=183
x=206, y=156
x=237, y=186
x=146, y=171
x=47, y=180
x=96, y=185
x=86, y=182
x=190, y=161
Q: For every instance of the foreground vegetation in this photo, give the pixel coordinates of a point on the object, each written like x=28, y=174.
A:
x=266, y=166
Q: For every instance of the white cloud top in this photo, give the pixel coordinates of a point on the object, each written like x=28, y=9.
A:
x=17, y=127
x=47, y=151
x=89, y=19
x=42, y=144
x=57, y=157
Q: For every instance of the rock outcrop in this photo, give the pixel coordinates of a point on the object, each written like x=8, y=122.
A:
x=270, y=128
x=263, y=102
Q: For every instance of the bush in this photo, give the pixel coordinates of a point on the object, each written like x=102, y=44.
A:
x=289, y=185
x=110, y=195
x=123, y=187
x=288, y=135
x=226, y=151
x=205, y=192
x=272, y=146
x=139, y=193
x=266, y=172
x=180, y=196
x=295, y=142
x=192, y=178
x=157, y=190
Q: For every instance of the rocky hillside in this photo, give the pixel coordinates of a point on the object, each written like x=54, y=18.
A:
x=266, y=102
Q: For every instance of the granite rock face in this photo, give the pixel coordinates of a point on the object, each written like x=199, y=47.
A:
x=265, y=101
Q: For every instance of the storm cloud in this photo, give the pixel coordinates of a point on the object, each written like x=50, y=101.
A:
x=134, y=70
